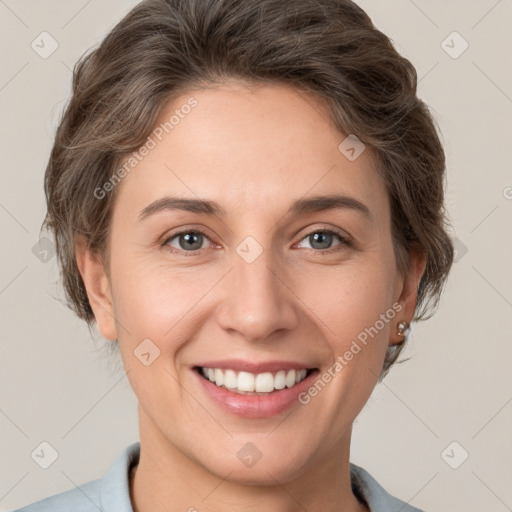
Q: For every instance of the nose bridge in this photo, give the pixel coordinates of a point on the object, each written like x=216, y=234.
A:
x=256, y=301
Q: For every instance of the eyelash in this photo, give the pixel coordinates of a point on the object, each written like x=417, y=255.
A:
x=344, y=241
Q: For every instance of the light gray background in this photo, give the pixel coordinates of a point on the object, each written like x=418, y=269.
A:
x=55, y=383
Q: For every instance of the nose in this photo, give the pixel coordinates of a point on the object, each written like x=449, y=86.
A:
x=257, y=299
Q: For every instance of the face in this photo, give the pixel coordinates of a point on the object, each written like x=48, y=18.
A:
x=268, y=280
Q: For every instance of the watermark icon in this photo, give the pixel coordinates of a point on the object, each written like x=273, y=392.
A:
x=454, y=455
x=507, y=193
x=355, y=348
x=146, y=352
x=143, y=151
x=454, y=45
x=44, y=455
x=44, y=45
x=460, y=249
x=351, y=147
x=249, y=249
x=249, y=455
x=44, y=249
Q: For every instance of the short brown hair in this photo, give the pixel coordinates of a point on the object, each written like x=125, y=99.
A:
x=327, y=47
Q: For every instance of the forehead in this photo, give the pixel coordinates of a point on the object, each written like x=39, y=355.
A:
x=241, y=147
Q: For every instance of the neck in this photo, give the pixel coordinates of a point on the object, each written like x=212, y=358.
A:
x=166, y=479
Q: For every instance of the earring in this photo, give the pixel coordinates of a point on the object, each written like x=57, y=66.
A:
x=402, y=327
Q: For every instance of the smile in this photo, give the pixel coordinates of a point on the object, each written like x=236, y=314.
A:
x=247, y=383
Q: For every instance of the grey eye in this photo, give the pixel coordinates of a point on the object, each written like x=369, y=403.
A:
x=188, y=240
x=322, y=239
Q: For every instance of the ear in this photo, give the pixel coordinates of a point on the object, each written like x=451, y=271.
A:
x=407, y=291
x=95, y=278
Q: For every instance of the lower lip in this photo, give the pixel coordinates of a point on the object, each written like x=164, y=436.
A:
x=255, y=406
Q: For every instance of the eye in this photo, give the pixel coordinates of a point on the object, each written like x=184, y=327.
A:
x=321, y=239
x=189, y=241
x=192, y=241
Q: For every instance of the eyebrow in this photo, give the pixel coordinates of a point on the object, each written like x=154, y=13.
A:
x=301, y=206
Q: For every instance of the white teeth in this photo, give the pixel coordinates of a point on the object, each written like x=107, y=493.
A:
x=246, y=382
x=280, y=380
x=230, y=380
x=300, y=376
x=290, y=378
x=264, y=382
x=219, y=377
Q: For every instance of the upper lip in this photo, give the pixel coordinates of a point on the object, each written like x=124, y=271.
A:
x=253, y=367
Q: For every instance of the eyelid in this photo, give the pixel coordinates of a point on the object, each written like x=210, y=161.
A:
x=184, y=229
x=345, y=239
x=327, y=229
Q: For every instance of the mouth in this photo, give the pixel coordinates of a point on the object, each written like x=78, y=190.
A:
x=248, y=383
x=247, y=388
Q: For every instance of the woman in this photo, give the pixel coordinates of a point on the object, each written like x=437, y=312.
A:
x=247, y=199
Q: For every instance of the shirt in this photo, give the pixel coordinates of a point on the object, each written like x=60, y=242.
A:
x=111, y=493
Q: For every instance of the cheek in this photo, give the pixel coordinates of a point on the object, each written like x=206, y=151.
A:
x=354, y=304
x=154, y=306
x=350, y=298
x=152, y=299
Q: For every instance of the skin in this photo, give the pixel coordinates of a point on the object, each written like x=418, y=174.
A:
x=254, y=151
